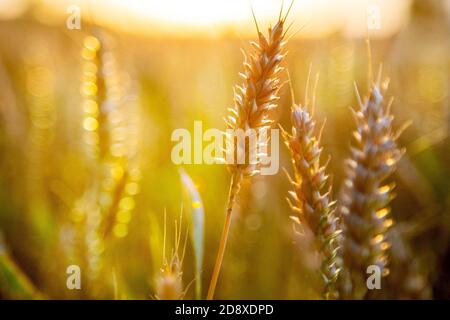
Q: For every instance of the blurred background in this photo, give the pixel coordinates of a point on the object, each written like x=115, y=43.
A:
x=86, y=116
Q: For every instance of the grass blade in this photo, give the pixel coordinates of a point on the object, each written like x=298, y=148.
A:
x=14, y=283
x=196, y=215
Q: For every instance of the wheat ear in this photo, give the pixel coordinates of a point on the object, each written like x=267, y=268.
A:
x=169, y=282
x=366, y=196
x=311, y=196
x=109, y=123
x=253, y=101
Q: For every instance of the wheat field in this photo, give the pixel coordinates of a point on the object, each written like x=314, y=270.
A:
x=89, y=187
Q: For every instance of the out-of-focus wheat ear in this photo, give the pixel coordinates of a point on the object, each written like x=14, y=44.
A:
x=169, y=281
x=41, y=110
x=254, y=101
x=91, y=90
x=110, y=134
x=86, y=213
x=311, y=195
x=365, y=197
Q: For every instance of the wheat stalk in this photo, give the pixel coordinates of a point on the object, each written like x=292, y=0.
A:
x=311, y=197
x=366, y=196
x=253, y=101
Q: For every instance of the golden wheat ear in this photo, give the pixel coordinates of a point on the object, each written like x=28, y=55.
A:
x=310, y=198
x=258, y=95
x=254, y=100
x=366, y=196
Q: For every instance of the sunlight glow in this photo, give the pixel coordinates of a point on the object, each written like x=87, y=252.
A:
x=181, y=18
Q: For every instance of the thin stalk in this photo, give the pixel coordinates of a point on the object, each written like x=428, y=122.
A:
x=235, y=184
